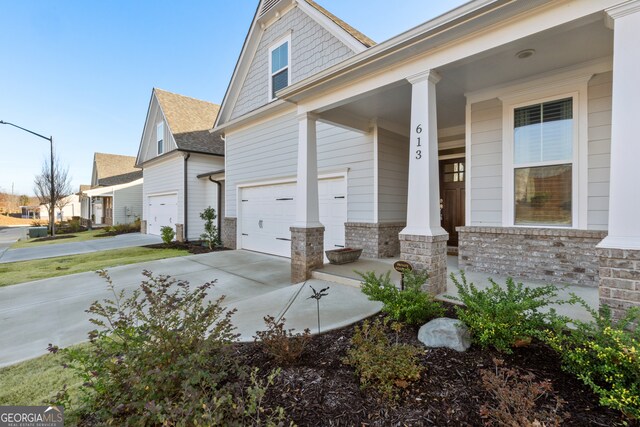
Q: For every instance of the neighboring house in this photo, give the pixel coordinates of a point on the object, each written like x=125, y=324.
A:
x=182, y=163
x=71, y=207
x=115, y=196
x=505, y=128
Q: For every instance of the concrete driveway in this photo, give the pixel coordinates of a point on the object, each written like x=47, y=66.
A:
x=73, y=248
x=10, y=235
x=34, y=314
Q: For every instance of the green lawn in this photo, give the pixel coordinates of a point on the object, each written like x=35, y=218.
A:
x=37, y=381
x=79, y=237
x=26, y=271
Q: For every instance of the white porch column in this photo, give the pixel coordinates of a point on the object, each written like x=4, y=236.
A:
x=423, y=242
x=307, y=234
x=423, y=200
x=307, y=206
x=619, y=252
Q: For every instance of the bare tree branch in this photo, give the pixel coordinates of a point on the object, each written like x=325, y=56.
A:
x=61, y=185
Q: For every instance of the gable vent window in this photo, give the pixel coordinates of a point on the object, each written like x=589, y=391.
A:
x=160, y=137
x=279, y=58
x=267, y=5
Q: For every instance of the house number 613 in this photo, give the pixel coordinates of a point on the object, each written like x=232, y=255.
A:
x=419, y=150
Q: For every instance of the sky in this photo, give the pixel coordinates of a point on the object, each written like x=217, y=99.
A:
x=82, y=71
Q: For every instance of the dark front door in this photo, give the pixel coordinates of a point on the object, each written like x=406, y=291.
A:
x=452, y=176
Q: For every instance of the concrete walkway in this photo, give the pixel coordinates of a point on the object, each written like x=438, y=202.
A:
x=346, y=274
x=34, y=314
x=10, y=235
x=75, y=248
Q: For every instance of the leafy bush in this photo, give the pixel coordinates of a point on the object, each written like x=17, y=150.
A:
x=168, y=234
x=517, y=398
x=282, y=344
x=162, y=356
x=379, y=363
x=74, y=225
x=210, y=235
x=411, y=305
x=500, y=317
x=126, y=228
x=605, y=355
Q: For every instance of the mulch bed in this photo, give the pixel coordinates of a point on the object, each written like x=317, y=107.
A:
x=193, y=247
x=319, y=390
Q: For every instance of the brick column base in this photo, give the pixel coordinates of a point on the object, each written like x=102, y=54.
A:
x=143, y=226
x=307, y=252
x=229, y=231
x=619, y=279
x=427, y=253
x=180, y=233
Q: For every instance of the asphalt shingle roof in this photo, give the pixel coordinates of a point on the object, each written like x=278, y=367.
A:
x=113, y=169
x=190, y=120
x=348, y=28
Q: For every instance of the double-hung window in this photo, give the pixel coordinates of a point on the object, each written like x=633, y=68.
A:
x=160, y=137
x=279, y=70
x=543, y=163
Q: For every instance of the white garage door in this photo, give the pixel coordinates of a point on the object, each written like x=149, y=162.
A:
x=269, y=211
x=161, y=211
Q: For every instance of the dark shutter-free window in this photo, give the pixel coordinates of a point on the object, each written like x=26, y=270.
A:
x=543, y=163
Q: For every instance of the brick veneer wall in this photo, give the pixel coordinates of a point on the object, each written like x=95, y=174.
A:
x=427, y=253
x=229, y=225
x=377, y=240
x=561, y=256
x=307, y=252
x=619, y=279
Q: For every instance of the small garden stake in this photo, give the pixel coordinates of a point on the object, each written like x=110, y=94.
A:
x=317, y=295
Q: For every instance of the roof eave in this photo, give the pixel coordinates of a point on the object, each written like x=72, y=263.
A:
x=443, y=23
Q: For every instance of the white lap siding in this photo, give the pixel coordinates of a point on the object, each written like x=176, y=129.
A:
x=599, y=150
x=393, y=167
x=486, y=164
x=268, y=151
x=127, y=204
x=202, y=192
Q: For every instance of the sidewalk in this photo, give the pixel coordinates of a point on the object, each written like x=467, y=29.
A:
x=74, y=248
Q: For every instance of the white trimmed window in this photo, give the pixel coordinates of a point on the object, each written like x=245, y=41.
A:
x=279, y=66
x=160, y=137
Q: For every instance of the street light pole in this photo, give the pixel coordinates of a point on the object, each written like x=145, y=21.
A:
x=52, y=222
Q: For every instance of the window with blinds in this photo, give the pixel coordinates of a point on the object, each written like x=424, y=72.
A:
x=543, y=163
x=279, y=68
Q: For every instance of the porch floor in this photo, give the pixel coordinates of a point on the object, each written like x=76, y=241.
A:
x=346, y=274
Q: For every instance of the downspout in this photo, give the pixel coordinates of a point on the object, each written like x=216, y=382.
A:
x=184, y=226
x=219, y=202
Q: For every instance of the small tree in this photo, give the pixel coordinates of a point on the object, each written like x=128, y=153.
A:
x=24, y=200
x=61, y=187
x=167, y=233
x=210, y=235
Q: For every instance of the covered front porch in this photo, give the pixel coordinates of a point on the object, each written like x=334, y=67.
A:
x=564, y=185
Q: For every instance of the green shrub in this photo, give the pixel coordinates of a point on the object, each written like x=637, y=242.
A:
x=605, y=355
x=168, y=234
x=379, y=363
x=411, y=305
x=282, y=344
x=74, y=225
x=499, y=316
x=162, y=356
x=210, y=236
x=126, y=228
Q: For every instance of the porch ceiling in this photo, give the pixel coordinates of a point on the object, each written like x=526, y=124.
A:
x=573, y=43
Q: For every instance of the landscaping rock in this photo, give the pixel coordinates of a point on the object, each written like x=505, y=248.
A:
x=445, y=332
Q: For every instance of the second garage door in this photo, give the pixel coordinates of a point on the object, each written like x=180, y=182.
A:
x=268, y=212
x=161, y=211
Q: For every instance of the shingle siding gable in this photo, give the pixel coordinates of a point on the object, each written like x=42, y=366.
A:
x=313, y=49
